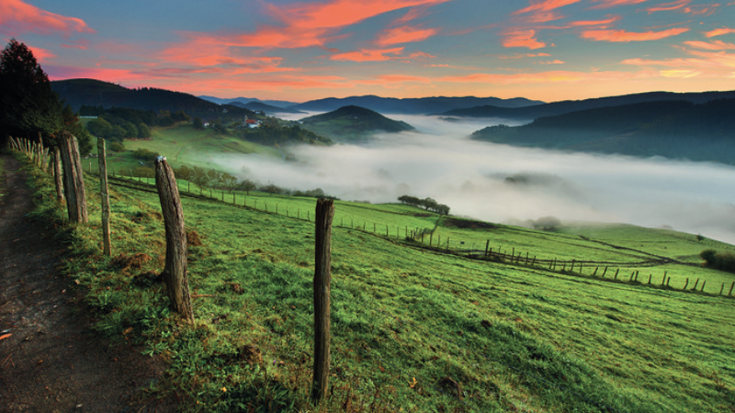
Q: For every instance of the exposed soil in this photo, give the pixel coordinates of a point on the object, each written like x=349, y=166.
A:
x=50, y=359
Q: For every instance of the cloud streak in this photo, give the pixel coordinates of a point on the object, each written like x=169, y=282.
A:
x=19, y=17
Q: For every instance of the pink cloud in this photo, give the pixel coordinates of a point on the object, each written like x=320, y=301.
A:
x=42, y=55
x=404, y=34
x=522, y=38
x=19, y=17
x=604, y=4
x=553, y=62
x=625, y=36
x=520, y=56
x=377, y=55
x=541, y=78
x=669, y=6
x=715, y=45
x=721, y=61
x=545, y=6
x=719, y=32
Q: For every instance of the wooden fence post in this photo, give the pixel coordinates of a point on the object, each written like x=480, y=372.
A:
x=322, y=289
x=174, y=273
x=695, y=285
x=105, y=195
x=57, y=175
x=685, y=285
x=733, y=285
x=703, y=284
x=76, y=198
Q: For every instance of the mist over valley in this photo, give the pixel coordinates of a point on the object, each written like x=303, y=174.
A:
x=501, y=183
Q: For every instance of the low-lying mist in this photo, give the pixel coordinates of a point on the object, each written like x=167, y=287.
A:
x=500, y=183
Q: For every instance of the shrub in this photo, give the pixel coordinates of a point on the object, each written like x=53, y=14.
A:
x=117, y=146
x=723, y=261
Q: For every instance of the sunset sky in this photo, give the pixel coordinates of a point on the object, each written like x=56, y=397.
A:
x=302, y=50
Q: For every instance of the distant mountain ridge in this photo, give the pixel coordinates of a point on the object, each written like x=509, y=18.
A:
x=262, y=107
x=673, y=129
x=245, y=101
x=411, y=106
x=569, y=106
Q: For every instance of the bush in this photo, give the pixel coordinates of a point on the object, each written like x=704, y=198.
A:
x=117, y=146
x=550, y=224
x=145, y=155
x=723, y=261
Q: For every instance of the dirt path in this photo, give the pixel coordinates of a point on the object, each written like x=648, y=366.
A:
x=52, y=361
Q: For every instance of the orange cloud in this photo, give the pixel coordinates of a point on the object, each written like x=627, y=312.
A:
x=522, y=38
x=553, y=62
x=378, y=55
x=604, y=4
x=542, y=77
x=602, y=23
x=42, y=55
x=17, y=16
x=519, y=56
x=545, y=6
x=716, y=45
x=404, y=34
x=624, y=36
x=704, y=60
x=669, y=6
x=719, y=32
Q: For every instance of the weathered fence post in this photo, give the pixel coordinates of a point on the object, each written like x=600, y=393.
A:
x=105, y=195
x=722, y=288
x=703, y=284
x=695, y=285
x=322, y=290
x=733, y=285
x=76, y=198
x=685, y=285
x=57, y=175
x=174, y=273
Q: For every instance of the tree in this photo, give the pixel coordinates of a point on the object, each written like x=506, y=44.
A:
x=100, y=128
x=247, y=186
x=144, y=132
x=28, y=106
x=197, y=123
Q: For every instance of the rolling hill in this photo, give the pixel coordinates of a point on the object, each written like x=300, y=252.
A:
x=353, y=123
x=557, y=108
x=673, y=129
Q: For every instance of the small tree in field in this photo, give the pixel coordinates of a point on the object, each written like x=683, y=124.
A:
x=247, y=186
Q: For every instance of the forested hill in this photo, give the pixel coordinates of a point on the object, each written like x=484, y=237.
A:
x=90, y=92
x=416, y=106
x=569, y=106
x=673, y=129
x=353, y=122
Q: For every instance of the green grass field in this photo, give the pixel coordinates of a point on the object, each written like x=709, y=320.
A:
x=414, y=329
x=181, y=145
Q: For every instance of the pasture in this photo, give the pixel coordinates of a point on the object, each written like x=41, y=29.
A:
x=414, y=329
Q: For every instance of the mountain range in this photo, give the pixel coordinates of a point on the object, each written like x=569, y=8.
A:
x=678, y=129
x=567, y=106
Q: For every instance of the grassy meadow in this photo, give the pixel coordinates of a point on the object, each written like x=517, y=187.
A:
x=414, y=329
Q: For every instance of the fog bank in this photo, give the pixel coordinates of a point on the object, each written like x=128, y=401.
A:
x=439, y=161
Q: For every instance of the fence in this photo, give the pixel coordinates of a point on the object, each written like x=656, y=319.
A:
x=613, y=271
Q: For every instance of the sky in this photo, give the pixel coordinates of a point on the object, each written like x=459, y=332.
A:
x=547, y=50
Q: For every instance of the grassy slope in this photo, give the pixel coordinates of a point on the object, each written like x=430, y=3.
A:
x=512, y=337
x=183, y=144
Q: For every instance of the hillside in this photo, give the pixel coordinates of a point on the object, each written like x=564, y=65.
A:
x=415, y=106
x=568, y=106
x=352, y=122
x=414, y=328
x=90, y=92
x=673, y=129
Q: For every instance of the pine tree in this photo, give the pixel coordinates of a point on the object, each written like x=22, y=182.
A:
x=27, y=103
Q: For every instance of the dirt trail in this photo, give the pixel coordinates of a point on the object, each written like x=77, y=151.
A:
x=52, y=361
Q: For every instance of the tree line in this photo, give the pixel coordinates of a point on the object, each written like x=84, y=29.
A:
x=428, y=204
x=29, y=108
